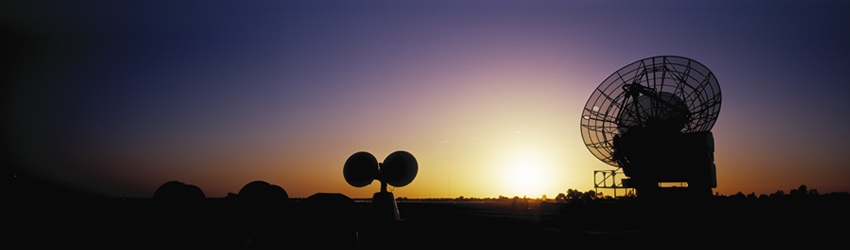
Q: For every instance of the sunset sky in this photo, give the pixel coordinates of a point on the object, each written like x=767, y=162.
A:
x=119, y=97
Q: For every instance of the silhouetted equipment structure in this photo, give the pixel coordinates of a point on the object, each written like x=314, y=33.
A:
x=261, y=211
x=653, y=119
x=178, y=191
x=398, y=170
x=179, y=213
x=330, y=220
x=262, y=192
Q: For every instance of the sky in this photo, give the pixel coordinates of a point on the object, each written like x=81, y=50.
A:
x=119, y=97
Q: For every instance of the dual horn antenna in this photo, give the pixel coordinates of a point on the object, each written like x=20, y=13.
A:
x=398, y=169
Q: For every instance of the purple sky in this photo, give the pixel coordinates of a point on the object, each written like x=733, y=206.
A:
x=120, y=97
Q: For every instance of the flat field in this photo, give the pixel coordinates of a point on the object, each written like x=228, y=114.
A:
x=221, y=223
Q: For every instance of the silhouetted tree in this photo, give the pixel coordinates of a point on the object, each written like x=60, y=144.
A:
x=515, y=202
x=813, y=192
x=778, y=194
x=739, y=195
x=802, y=191
x=588, y=196
x=573, y=194
x=561, y=197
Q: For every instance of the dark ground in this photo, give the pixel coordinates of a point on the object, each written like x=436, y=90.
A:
x=222, y=223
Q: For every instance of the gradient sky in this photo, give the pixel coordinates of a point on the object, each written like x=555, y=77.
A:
x=118, y=97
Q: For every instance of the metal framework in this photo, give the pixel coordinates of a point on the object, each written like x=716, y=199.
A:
x=609, y=180
x=624, y=100
x=653, y=119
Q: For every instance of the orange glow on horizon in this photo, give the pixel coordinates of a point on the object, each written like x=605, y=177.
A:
x=487, y=100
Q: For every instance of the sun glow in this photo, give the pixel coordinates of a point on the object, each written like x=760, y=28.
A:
x=526, y=174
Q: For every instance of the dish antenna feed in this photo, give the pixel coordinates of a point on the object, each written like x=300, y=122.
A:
x=653, y=119
x=397, y=170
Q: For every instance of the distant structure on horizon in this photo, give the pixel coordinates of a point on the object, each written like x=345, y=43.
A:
x=178, y=191
x=653, y=119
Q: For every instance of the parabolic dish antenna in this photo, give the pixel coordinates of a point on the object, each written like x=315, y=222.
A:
x=360, y=169
x=398, y=169
x=663, y=93
x=653, y=119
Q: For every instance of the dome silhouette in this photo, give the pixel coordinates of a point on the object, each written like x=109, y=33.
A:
x=262, y=191
x=175, y=190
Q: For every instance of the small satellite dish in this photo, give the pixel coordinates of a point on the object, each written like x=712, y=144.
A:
x=360, y=169
x=399, y=168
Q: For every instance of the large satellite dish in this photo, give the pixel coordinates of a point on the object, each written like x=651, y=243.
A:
x=638, y=117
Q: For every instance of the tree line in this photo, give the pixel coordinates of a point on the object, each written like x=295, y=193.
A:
x=801, y=192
